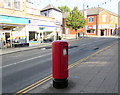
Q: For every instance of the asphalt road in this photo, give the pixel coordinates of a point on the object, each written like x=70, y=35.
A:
x=26, y=67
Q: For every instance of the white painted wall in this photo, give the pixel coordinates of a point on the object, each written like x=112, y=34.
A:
x=58, y=19
x=57, y=15
x=54, y=14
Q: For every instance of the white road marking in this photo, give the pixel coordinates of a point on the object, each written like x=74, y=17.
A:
x=24, y=60
x=36, y=57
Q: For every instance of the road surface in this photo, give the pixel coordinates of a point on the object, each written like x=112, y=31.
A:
x=23, y=68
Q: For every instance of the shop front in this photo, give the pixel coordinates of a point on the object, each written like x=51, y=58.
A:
x=90, y=30
x=12, y=30
x=39, y=30
x=104, y=30
x=113, y=29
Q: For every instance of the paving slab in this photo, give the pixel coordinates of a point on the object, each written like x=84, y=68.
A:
x=98, y=74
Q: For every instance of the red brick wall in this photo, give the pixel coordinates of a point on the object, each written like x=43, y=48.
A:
x=91, y=23
x=87, y=24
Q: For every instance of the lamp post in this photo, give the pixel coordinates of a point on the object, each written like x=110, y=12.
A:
x=55, y=33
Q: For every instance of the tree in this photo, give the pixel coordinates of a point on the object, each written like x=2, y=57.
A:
x=75, y=20
x=64, y=9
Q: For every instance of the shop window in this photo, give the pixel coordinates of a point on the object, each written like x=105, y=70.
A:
x=91, y=31
x=17, y=4
x=31, y=36
x=90, y=19
x=7, y=3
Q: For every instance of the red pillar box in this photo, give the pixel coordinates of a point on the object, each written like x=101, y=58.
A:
x=60, y=64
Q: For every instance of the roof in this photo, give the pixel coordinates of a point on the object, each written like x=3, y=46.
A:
x=93, y=11
x=97, y=10
x=48, y=7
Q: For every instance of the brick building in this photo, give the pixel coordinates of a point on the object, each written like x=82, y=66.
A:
x=99, y=22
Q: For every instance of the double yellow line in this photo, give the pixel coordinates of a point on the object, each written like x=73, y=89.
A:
x=34, y=85
x=40, y=82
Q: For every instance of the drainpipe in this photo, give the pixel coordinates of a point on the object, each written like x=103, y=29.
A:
x=11, y=39
x=97, y=23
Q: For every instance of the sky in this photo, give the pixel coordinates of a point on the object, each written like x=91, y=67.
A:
x=111, y=5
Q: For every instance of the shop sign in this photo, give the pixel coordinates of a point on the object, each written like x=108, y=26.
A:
x=90, y=27
x=42, y=23
x=32, y=28
x=14, y=20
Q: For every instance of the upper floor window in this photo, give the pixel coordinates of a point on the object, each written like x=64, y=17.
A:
x=116, y=19
x=28, y=10
x=30, y=1
x=32, y=11
x=45, y=14
x=7, y=3
x=91, y=19
x=17, y=4
x=112, y=18
x=104, y=18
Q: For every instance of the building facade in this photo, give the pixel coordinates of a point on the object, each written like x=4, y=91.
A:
x=51, y=11
x=99, y=22
x=21, y=22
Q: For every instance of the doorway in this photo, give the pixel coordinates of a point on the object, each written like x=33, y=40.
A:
x=102, y=32
x=7, y=37
x=111, y=32
x=31, y=35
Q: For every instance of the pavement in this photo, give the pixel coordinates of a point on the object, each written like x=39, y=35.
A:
x=97, y=73
x=13, y=50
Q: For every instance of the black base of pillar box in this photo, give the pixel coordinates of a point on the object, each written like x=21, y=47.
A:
x=60, y=83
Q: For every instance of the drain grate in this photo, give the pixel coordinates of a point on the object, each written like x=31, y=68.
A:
x=95, y=48
x=48, y=47
x=70, y=47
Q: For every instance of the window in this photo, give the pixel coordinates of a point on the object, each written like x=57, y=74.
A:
x=104, y=18
x=112, y=19
x=17, y=4
x=45, y=14
x=90, y=19
x=35, y=12
x=116, y=19
x=32, y=11
x=28, y=10
x=7, y=3
x=30, y=1
x=91, y=31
